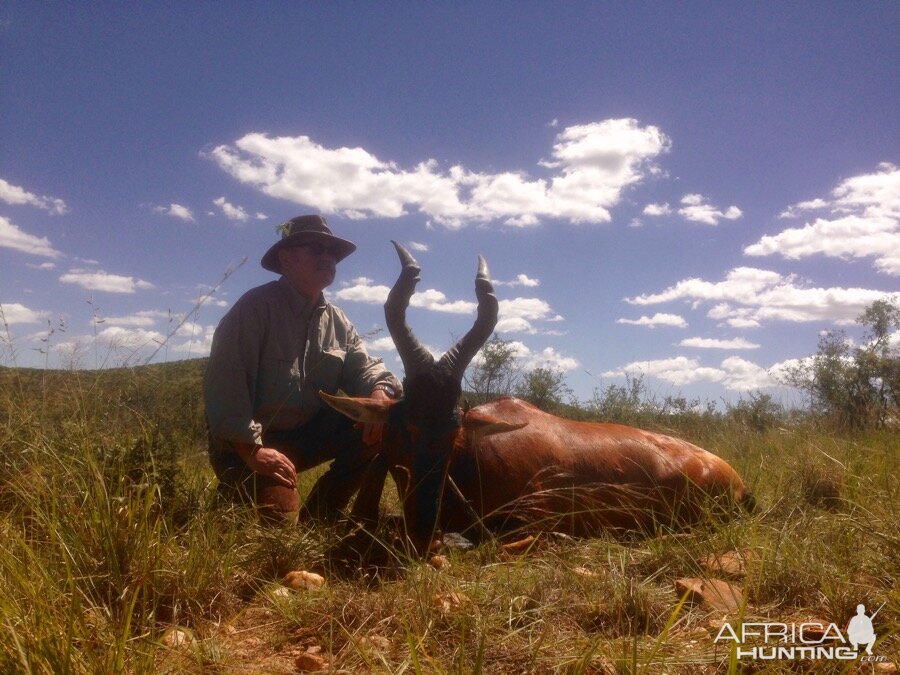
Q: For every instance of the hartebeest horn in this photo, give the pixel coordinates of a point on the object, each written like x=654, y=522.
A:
x=462, y=353
x=414, y=356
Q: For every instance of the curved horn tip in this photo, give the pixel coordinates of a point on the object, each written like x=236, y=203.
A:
x=483, y=271
x=406, y=258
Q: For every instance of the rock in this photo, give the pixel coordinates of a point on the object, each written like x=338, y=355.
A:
x=559, y=536
x=310, y=662
x=585, y=572
x=811, y=631
x=731, y=563
x=717, y=594
x=254, y=616
x=885, y=668
x=456, y=541
x=691, y=635
x=447, y=602
x=377, y=643
x=439, y=562
x=176, y=638
x=301, y=580
x=520, y=546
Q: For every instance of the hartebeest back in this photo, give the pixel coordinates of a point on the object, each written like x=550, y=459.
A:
x=507, y=463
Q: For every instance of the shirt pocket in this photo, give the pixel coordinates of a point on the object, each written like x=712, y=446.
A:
x=326, y=374
x=278, y=382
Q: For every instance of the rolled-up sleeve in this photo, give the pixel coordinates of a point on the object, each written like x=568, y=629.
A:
x=231, y=375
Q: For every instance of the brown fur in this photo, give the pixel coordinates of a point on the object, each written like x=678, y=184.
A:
x=510, y=465
x=580, y=477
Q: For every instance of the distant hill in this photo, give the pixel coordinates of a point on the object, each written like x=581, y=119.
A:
x=166, y=396
x=149, y=373
x=156, y=380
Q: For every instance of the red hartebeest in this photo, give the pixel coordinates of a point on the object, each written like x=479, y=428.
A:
x=507, y=463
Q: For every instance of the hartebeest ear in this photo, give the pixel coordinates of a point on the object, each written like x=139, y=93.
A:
x=481, y=425
x=365, y=410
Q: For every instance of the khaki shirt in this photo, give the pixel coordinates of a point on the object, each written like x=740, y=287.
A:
x=272, y=353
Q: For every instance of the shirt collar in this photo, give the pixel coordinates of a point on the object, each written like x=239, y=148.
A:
x=299, y=303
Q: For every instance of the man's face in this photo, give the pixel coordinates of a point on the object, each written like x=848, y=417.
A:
x=310, y=267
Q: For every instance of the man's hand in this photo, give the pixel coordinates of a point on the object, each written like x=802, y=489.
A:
x=269, y=462
x=272, y=463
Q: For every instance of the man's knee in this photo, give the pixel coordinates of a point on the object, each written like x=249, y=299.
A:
x=277, y=503
x=238, y=484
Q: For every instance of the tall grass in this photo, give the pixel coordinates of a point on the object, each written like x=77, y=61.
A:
x=112, y=537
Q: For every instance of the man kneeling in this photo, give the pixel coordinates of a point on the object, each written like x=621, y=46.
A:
x=271, y=354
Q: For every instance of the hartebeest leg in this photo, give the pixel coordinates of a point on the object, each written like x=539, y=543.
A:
x=366, y=507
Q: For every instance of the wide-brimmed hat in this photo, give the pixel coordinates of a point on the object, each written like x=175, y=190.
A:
x=301, y=230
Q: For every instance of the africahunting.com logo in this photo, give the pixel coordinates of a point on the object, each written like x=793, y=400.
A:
x=770, y=641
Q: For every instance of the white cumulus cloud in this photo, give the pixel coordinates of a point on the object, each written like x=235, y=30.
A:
x=237, y=213
x=529, y=359
x=547, y=357
x=16, y=313
x=98, y=280
x=711, y=343
x=810, y=205
x=130, y=338
x=175, y=211
x=363, y=289
x=192, y=338
x=734, y=372
x=861, y=220
x=743, y=375
x=679, y=370
x=143, y=318
x=748, y=297
x=695, y=208
x=590, y=166
x=114, y=345
x=382, y=344
x=658, y=319
x=13, y=237
x=519, y=315
x=13, y=194
x=657, y=210
x=520, y=280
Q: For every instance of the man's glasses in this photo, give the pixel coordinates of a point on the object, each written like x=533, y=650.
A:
x=317, y=249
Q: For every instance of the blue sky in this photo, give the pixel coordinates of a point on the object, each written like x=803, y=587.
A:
x=692, y=191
